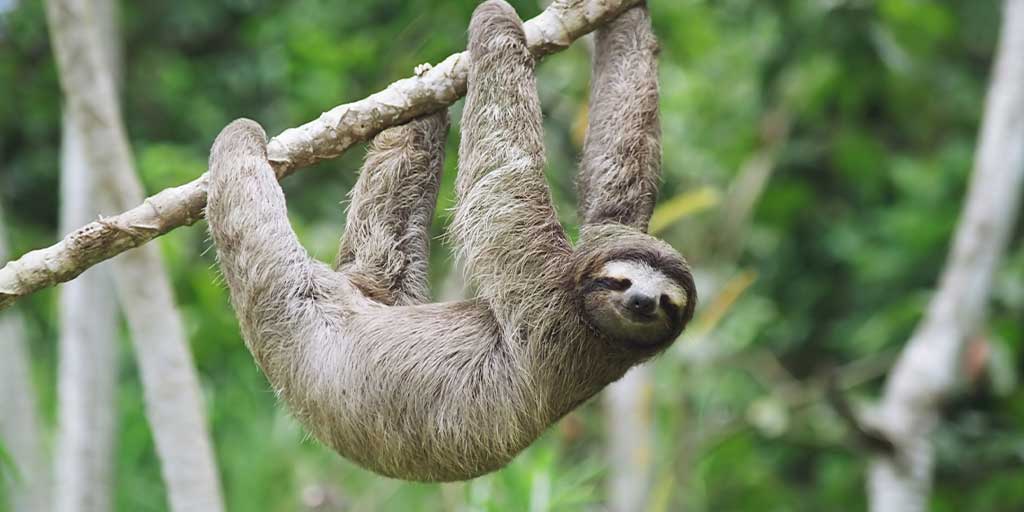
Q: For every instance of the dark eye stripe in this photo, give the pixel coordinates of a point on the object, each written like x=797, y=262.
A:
x=614, y=284
x=669, y=306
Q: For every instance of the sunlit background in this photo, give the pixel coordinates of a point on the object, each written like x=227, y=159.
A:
x=816, y=154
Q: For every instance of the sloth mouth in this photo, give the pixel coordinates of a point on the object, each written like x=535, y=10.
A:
x=638, y=317
x=638, y=331
x=647, y=330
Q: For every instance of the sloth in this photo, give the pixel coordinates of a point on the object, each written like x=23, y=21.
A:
x=450, y=391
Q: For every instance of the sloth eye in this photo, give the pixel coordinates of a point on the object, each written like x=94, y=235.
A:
x=613, y=284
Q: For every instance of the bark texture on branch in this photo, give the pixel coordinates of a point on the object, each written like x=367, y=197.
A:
x=171, y=387
x=927, y=369
x=328, y=136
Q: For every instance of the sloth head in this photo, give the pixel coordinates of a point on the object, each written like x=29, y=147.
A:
x=633, y=302
x=633, y=288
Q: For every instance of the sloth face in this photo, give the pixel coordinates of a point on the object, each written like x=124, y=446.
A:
x=634, y=302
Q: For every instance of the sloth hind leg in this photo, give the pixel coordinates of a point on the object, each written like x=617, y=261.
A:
x=386, y=244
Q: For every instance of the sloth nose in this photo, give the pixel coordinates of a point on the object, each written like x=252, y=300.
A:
x=640, y=303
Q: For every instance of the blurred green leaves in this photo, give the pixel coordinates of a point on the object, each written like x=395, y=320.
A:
x=833, y=266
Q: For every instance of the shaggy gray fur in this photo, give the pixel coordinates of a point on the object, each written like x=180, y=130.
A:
x=450, y=391
x=618, y=179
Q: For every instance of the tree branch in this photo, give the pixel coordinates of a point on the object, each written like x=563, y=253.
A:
x=927, y=369
x=326, y=137
x=866, y=436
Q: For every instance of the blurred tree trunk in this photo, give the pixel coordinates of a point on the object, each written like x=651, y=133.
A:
x=28, y=487
x=627, y=405
x=174, y=404
x=928, y=367
x=88, y=362
x=87, y=369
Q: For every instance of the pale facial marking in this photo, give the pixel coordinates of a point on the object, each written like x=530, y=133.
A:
x=645, y=279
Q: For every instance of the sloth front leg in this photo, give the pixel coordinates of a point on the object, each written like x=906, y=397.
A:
x=276, y=288
x=505, y=225
x=386, y=244
x=618, y=177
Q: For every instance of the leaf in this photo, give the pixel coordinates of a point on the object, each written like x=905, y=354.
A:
x=723, y=302
x=682, y=205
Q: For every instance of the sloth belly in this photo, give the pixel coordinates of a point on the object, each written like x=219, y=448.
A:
x=426, y=404
x=429, y=455
x=443, y=430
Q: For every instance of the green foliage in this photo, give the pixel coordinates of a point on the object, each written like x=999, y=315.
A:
x=833, y=266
